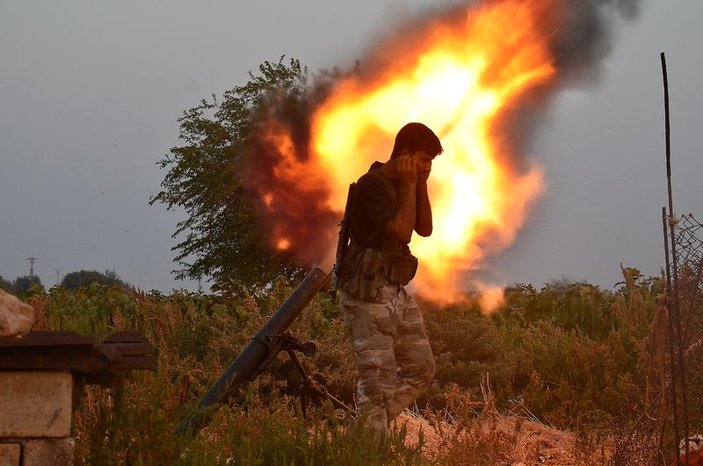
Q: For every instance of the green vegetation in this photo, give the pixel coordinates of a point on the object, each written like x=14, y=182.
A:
x=28, y=284
x=22, y=285
x=206, y=177
x=84, y=278
x=5, y=285
x=572, y=356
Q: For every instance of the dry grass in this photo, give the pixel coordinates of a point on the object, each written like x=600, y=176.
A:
x=528, y=442
x=572, y=358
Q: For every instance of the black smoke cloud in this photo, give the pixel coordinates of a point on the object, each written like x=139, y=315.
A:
x=583, y=37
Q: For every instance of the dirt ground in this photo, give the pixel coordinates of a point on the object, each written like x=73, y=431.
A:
x=531, y=443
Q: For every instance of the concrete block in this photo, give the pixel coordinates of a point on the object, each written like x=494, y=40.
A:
x=10, y=454
x=48, y=452
x=35, y=404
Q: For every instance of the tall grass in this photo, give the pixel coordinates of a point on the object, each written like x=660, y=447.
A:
x=571, y=355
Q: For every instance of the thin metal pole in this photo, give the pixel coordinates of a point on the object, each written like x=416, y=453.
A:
x=670, y=328
x=31, y=265
x=674, y=259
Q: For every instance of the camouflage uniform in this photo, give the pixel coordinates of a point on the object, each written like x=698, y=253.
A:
x=393, y=355
x=392, y=352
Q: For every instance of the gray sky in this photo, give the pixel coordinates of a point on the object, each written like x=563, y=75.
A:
x=90, y=94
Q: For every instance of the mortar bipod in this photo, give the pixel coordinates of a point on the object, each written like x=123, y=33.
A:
x=312, y=388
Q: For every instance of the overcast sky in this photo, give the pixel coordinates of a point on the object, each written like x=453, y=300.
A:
x=90, y=94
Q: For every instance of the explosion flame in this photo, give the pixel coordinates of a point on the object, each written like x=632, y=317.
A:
x=464, y=74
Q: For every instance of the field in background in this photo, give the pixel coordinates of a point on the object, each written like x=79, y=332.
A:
x=569, y=357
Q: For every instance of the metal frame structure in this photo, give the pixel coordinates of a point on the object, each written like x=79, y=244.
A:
x=683, y=249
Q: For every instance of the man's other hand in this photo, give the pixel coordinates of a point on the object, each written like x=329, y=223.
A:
x=404, y=169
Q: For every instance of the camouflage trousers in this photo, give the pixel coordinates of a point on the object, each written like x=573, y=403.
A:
x=392, y=352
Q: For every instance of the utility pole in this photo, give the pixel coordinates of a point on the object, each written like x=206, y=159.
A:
x=31, y=265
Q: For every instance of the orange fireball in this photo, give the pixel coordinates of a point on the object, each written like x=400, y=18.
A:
x=463, y=75
x=460, y=78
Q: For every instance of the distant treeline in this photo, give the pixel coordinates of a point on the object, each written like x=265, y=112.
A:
x=72, y=281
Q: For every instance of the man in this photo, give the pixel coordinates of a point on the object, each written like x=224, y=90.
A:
x=393, y=355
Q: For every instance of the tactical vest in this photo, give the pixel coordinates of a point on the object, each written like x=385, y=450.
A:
x=367, y=269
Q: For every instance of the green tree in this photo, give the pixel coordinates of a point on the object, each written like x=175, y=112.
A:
x=5, y=285
x=220, y=237
x=83, y=278
x=25, y=284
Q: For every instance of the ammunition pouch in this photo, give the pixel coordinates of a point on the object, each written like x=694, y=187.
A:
x=365, y=271
x=400, y=264
x=400, y=268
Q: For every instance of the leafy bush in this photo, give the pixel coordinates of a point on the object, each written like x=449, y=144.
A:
x=466, y=346
x=85, y=278
x=26, y=284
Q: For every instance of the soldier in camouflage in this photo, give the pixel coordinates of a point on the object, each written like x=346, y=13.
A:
x=392, y=352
